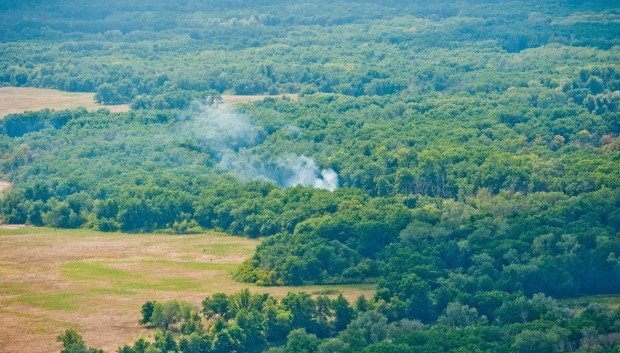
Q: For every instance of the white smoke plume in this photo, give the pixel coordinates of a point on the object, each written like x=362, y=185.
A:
x=220, y=130
x=304, y=171
x=229, y=137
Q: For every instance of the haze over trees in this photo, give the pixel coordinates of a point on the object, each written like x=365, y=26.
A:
x=464, y=156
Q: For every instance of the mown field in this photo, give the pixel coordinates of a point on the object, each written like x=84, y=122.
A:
x=52, y=279
x=14, y=100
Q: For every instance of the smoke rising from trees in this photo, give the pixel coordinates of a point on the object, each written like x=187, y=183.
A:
x=229, y=137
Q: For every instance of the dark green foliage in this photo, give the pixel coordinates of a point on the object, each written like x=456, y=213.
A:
x=147, y=312
x=217, y=306
x=109, y=94
x=343, y=313
x=165, y=342
x=536, y=324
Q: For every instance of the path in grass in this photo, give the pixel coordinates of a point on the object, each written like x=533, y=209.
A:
x=96, y=282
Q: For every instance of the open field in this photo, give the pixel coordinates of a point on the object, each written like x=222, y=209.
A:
x=53, y=279
x=612, y=301
x=15, y=100
x=238, y=99
x=4, y=185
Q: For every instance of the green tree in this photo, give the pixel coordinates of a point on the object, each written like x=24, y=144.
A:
x=147, y=312
x=72, y=342
x=169, y=313
x=165, y=342
x=343, y=313
x=298, y=341
x=108, y=94
x=218, y=305
x=530, y=341
x=302, y=309
x=457, y=315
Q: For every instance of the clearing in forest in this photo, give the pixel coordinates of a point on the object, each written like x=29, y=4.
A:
x=232, y=99
x=52, y=279
x=4, y=185
x=15, y=100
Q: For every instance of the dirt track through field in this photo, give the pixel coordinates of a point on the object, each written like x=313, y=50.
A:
x=96, y=282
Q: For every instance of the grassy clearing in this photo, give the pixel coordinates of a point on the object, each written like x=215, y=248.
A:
x=51, y=279
x=63, y=301
x=612, y=301
x=233, y=99
x=92, y=271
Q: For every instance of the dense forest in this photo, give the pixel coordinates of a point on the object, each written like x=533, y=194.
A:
x=464, y=156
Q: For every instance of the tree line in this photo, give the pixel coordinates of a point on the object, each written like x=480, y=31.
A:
x=301, y=323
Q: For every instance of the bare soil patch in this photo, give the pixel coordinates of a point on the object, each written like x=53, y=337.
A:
x=14, y=100
x=97, y=282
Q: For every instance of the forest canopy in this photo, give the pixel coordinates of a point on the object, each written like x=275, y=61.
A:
x=463, y=156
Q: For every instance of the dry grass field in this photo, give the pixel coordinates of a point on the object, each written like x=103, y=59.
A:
x=52, y=279
x=232, y=99
x=15, y=100
x=4, y=185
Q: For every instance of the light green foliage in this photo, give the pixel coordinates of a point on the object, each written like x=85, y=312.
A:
x=170, y=313
x=458, y=315
x=298, y=341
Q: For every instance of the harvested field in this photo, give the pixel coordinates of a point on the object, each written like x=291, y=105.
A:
x=14, y=100
x=52, y=279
